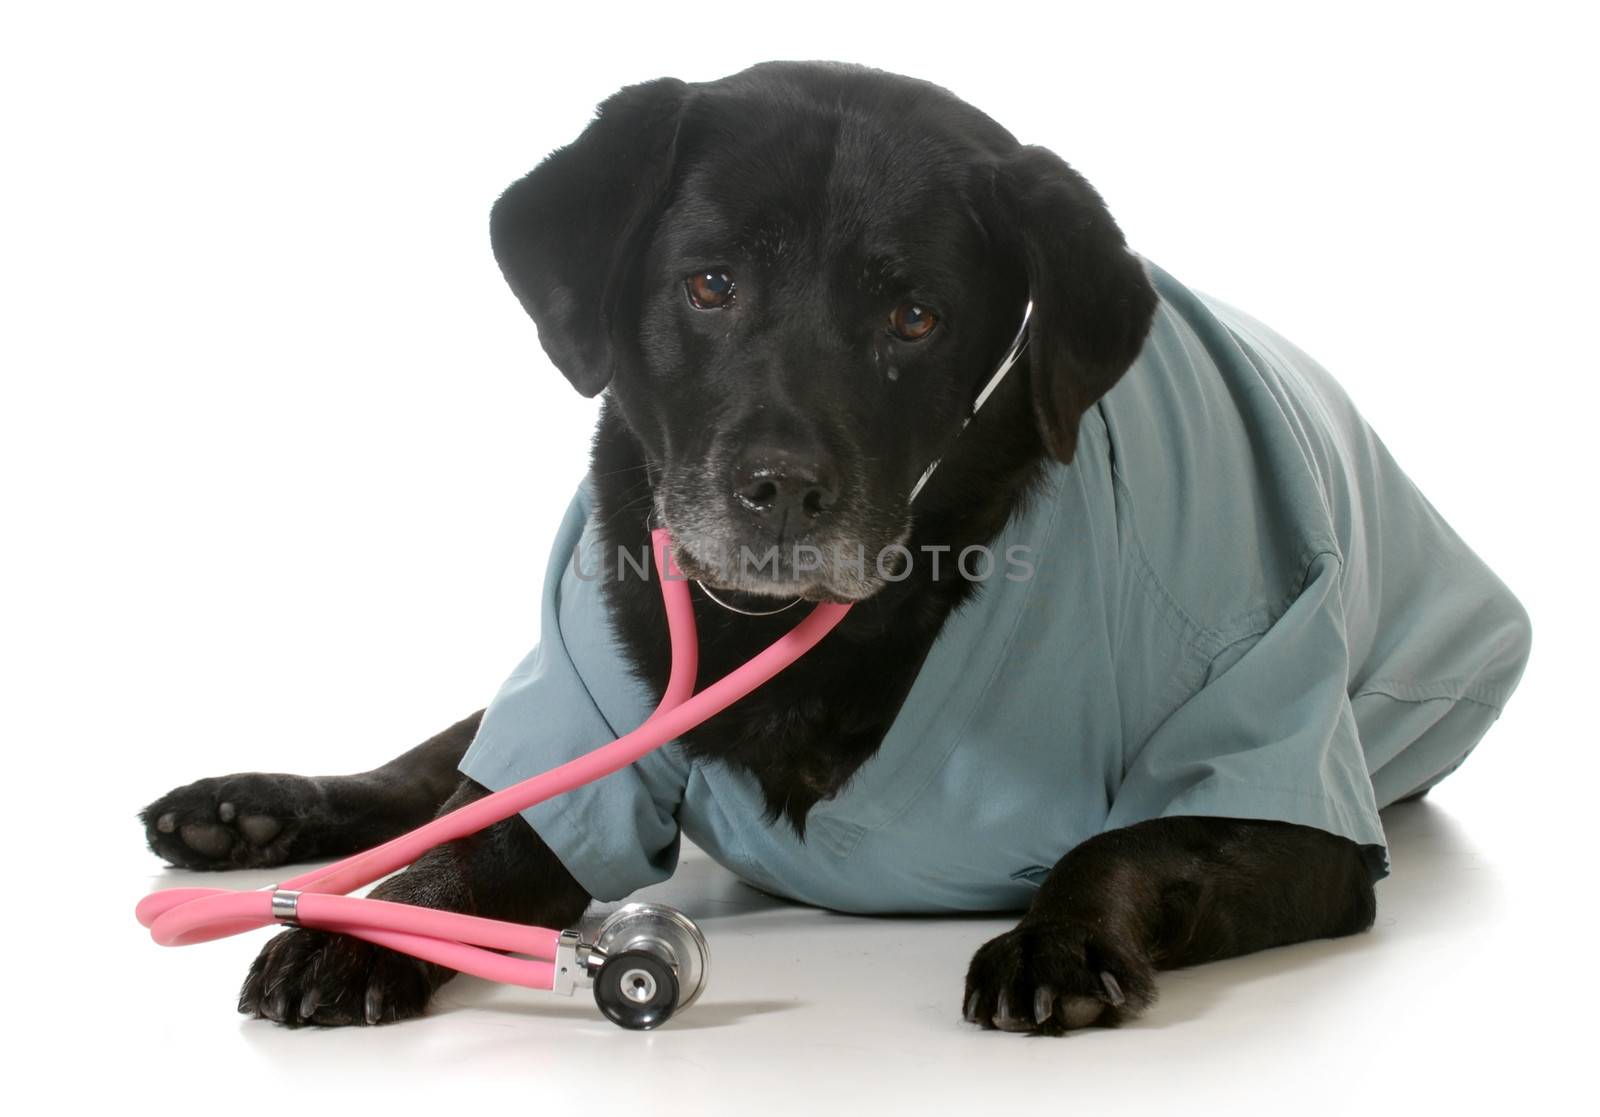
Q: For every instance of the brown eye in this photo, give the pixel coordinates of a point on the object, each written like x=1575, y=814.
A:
x=911, y=322
x=709, y=290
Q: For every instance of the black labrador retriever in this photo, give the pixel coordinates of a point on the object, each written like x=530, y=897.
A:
x=603, y=244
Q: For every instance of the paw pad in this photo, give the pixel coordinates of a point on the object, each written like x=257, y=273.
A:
x=235, y=822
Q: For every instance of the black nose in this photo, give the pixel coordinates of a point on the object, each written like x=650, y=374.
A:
x=785, y=485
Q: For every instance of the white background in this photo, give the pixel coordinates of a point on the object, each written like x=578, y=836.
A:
x=282, y=458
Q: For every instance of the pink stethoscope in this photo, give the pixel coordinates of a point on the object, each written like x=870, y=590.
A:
x=645, y=961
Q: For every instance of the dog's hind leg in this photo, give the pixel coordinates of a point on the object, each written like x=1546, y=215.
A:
x=253, y=819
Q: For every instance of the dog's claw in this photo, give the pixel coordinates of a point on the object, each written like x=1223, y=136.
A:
x=167, y=823
x=276, y=1007
x=1005, y=1021
x=310, y=1003
x=1044, y=1003
x=373, y=1007
x=226, y=811
x=971, y=1012
x=1113, y=989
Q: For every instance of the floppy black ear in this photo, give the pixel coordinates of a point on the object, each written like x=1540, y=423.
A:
x=1092, y=301
x=566, y=235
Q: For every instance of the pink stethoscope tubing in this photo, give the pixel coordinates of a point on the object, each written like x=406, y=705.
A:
x=183, y=916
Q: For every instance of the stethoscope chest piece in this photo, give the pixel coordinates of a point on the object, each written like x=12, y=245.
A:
x=645, y=962
x=636, y=989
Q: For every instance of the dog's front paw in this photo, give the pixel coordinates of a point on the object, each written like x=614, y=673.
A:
x=315, y=977
x=1050, y=976
x=243, y=821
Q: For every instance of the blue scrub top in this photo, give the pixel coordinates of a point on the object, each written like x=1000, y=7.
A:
x=1240, y=607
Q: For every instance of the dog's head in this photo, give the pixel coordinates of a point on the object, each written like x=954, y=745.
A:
x=793, y=282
